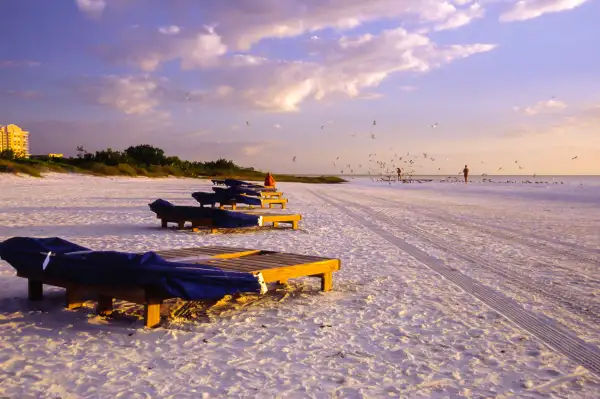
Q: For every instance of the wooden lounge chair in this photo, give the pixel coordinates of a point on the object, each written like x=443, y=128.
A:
x=198, y=224
x=271, y=194
x=266, y=199
x=274, y=219
x=274, y=267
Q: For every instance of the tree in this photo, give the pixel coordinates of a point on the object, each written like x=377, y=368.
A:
x=7, y=154
x=146, y=154
x=110, y=157
x=81, y=151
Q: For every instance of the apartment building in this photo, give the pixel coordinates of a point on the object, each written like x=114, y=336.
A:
x=12, y=137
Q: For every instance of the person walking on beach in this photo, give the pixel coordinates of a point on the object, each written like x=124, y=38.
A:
x=269, y=180
x=399, y=171
x=466, y=173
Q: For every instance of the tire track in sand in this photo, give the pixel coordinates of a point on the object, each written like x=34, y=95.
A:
x=555, y=336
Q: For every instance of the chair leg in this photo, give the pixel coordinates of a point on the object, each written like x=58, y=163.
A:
x=152, y=312
x=275, y=224
x=35, y=290
x=105, y=305
x=73, y=298
x=295, y=225
x=327, y=281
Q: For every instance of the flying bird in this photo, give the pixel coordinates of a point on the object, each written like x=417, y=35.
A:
x=575, y=157
x=374, y=122
x=247, y=123
x=373, y=136
x=434, y=125
x=294, y=159
x=322, y=126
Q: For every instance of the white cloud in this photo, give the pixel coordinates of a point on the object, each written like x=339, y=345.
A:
x=348, y=67
x=169, y=30
x=131, y=95
x=528, y=9
x=92, y=8
x=542, y=107
x=148, y=50
x=461, y=17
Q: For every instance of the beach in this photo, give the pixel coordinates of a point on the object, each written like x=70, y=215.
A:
x=446, y=290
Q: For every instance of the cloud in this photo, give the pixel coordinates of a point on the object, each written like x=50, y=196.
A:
x=91, y=8
x=244, y=23
x=169, y=30
x=543, y=107
x=130, y=95
x=528, y=9
x=24, y=94
x=18, y=64
x=290, y=18
x=147, y=50
x=277, y=126
x=347, y=67
x=461, y=17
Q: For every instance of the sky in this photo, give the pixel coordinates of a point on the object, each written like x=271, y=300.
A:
x=505, y=86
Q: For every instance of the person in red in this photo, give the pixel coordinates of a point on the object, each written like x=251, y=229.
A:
x=269, y=180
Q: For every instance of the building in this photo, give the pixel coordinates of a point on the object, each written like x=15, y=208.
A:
x=12, y=137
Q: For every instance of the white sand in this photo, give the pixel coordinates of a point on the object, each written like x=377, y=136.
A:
x=391, y=327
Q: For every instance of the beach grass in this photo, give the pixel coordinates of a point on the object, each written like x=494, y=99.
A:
x=37, y=168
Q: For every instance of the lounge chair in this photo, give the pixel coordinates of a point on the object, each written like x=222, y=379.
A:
x=214, y=219
x=241, y=183
x=255, y=192
x=197, y=273
x=233, y=196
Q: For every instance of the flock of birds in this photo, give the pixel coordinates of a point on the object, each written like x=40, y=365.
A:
x=382, y=165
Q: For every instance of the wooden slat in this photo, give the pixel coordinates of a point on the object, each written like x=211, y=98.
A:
x=296, y=257
x=255, y=263
x=282, y=217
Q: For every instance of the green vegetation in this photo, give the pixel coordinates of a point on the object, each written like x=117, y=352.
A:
x=142, y=160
